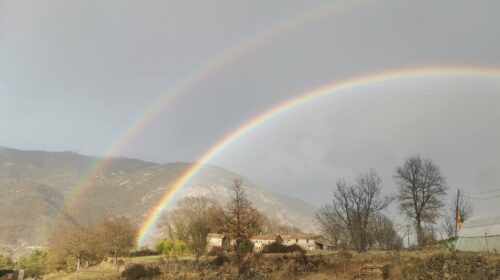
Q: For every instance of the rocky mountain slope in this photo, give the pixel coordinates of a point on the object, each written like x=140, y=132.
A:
x=35, y=184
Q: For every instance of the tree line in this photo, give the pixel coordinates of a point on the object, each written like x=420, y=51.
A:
x=184, y=228
x=354, y=218
x=77, y=246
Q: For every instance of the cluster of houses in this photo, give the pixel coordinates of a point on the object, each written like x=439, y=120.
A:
x=308, y=241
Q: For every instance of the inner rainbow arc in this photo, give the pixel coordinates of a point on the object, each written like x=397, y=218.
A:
x=274, y=111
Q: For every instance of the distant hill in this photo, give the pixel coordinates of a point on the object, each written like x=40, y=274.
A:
x=34, y=185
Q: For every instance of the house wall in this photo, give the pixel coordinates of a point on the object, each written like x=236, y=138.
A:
x=214, y=242
x=479, y=244
x=258, y=244
x=306, y=244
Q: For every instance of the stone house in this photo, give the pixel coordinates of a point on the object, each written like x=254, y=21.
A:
x=216, y=240
x=324, y=244
x=308, y=241
x=261, y=240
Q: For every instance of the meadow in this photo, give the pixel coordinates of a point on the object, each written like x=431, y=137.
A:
x=430, y=263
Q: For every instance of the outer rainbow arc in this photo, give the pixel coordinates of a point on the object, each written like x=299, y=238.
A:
x=186, y=84
x=295, y=102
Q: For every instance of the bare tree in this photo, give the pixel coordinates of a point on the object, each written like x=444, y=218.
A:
x=421, y=189
x=384, y=233
x=331, y=226
x=353, y=206
x=240, y=220
x=407, y=229
x=118, y=236
x=75, y=246
x=448, y=226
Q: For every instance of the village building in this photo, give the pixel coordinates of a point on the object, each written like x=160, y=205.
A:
x=480, y=234
x=308, y=241
x=216, y=240
x=324, y=244
x=261, y=240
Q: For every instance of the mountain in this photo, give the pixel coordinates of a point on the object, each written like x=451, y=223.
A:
x=35, y=184
x=33, y=188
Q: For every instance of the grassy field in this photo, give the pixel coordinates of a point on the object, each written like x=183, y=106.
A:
x=95, y=272
x=108, y=271
x=432, y=263
x=155, y=259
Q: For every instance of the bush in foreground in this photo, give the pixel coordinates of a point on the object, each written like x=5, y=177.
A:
x=138, y=271
x=277, y=247
x=144, y=252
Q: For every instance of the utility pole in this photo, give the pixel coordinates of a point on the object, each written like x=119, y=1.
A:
x=457, y=212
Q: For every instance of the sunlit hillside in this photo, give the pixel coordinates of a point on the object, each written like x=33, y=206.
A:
x=35, y=184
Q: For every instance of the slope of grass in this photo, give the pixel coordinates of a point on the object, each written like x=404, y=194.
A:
x=95, y=272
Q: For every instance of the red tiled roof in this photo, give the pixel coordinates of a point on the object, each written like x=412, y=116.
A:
x=267, y=236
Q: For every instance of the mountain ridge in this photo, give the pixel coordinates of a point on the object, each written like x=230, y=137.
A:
x=34, y=186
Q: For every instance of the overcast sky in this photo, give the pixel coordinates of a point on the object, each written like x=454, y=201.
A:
x=75, y=75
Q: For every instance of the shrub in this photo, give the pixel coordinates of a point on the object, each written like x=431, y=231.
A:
x=220, y=260
x=34, y=265
x=135, y=271
x=277, y=247
x=153, y=271
x=6, y=262
x=173, y=247
x=144, y=252
x=246, y=246
x=220, y=257
x=216, y=251
x=138, y=271
x=450, y=245
x=345, y=254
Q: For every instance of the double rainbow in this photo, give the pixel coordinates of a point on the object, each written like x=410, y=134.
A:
x=188, y=84
x=335, y=88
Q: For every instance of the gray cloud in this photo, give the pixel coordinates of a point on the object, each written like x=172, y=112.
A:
x=75, y=75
